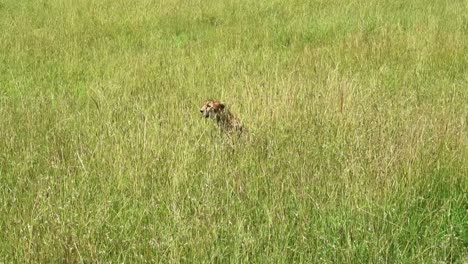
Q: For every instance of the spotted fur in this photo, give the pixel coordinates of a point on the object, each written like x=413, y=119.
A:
x=227, y=121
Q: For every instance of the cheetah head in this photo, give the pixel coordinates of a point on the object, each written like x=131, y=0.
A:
x=211, y=108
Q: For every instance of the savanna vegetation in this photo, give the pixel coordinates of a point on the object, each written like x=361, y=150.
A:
x=357, y=113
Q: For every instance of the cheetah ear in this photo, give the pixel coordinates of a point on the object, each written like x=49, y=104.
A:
x=221, y=105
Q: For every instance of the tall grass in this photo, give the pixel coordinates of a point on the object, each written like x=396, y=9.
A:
x=357, y=111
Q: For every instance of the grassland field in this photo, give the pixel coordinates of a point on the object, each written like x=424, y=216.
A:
x=358, y=138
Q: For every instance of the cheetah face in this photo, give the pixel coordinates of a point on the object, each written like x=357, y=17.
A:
x=211, y=108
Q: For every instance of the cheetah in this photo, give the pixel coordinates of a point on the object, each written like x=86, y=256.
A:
x=227, y=121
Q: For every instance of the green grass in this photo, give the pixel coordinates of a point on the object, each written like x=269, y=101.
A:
x=358, y=115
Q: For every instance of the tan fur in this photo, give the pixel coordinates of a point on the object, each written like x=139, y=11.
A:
x=227, y=121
